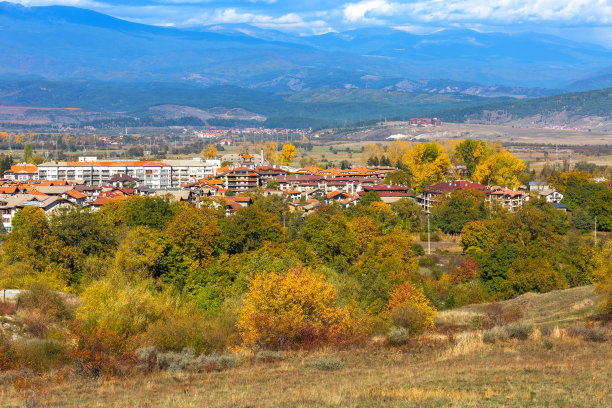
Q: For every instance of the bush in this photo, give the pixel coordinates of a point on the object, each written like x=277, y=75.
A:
x=39, y=355
x=409, y=308
x=398, y=335
x=7, y=354
x=7, y=308
x=469, y=293
x=187, y=360
x=596, y=334
x=181, y=332
x=519, y=330
x=42, y=298
x=328, y=364
x=496, y=333
x=496, y=315
x=548, y=343
x=99, y=353
x=417, y=249
x=295, y=310
x=270, y=356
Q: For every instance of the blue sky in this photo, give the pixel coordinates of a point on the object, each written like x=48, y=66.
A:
x=588, y=20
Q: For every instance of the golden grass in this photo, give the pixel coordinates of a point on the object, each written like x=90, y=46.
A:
x=461, y=372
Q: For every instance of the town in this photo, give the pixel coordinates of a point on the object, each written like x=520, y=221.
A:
x=90, y=182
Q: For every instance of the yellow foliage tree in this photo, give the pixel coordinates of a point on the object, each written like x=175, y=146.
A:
x=371, y=150
x=270, y=152
x=396, y=150
x=500, y=169
x=294, y=310
x=428, y=163
x=287, y=154
x=210, y=152
x=410, y=308
x=603, y=276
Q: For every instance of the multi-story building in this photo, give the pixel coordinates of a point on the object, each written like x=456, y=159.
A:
x=241, y=179
x=22, y=172
x=152, y=174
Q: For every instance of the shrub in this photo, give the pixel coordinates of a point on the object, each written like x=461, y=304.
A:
x=469, y=293
x=328, y=364
x=125, y=309
x=7, y=308
x=7, y=354
x=295, y=310
x=187, y=360
x=519, y=330
x=417, y=249
x=189, y=331
x=398, y=335
x=597, y=334
x=409, y=308
x=41, y=297
x=496, y=315
x=496, y=333
x=39, y=355
x=548, y=343
x=99, y=352
x=268, y=356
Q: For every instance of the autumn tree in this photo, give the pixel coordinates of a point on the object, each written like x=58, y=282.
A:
x=501, y=169
x=396, y=151
x=270, y=152
x=294, y=310
x=210, y=152
x=387, y=262
x=603, y=276
x=371, y=151
x=287, y=154
x=428, y=163
x=27, y=153
x=471, y=153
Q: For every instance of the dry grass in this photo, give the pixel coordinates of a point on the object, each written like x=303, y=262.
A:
x=467, y=373
x=559, y=307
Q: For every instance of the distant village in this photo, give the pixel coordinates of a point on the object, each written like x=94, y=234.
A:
x=90, y=182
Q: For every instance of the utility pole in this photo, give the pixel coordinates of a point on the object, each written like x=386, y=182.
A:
x=556, y=157
x=428, y=237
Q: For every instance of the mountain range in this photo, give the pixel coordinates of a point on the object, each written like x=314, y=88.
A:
x=68, y=43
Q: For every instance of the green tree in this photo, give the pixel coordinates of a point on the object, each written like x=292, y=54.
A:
x=461, y=207
x=471, y=153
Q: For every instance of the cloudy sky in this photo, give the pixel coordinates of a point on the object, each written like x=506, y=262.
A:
x=589, y=20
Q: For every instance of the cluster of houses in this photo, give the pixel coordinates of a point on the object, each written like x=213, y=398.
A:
x=93, y=183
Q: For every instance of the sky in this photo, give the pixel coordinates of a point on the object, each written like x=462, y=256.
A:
x=584, y=20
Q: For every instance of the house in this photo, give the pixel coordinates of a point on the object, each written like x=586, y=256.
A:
x=10, y=205
x=512, y=200
x=388, y=193
x=433, y=194
x=551, y=195
x=425, y=122
x=22, y=172
x=75, y=197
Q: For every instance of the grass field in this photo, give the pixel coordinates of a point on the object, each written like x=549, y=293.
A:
x=454, y=369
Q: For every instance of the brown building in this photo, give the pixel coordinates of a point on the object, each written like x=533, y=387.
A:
x=242, y=179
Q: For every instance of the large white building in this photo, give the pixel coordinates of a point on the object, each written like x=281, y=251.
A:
x=152, y=174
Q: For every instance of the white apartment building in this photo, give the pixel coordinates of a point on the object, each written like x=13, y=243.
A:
x=152, y=174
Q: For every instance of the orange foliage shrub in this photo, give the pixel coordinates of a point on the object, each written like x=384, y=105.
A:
x=410, y=308
x=99, y=352
x=466, y=272
x=296, y=310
